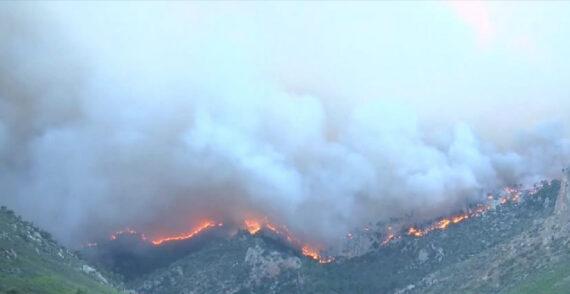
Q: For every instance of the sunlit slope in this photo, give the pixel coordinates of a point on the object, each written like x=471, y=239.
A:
x=31, y=262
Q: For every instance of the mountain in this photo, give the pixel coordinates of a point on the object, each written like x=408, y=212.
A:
x=32, y=262
x=515, y=246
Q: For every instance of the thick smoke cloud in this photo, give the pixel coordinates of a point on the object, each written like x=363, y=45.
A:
x=154, y=117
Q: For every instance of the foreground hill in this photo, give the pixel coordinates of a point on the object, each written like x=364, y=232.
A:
x=31, y=262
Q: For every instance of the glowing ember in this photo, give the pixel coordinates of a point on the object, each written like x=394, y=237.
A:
x=459, y=218
x=415, y=232
x=252, y=226
x=200, y=228
x=443, y=224
x=126, y=231
x=310, y=252
x=511, y=194
x=315, y=254
x=272, y=228
x=391, y=237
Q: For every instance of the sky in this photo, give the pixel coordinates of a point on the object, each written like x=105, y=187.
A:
x=335, y=114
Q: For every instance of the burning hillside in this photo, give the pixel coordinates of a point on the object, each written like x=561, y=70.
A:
x=256, y=226
x=188, y=235
x=251, y=226
x=511, y=195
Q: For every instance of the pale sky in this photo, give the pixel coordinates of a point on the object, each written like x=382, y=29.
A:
x=488, y=63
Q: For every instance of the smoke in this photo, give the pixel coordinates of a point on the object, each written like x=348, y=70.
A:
x=317, y=116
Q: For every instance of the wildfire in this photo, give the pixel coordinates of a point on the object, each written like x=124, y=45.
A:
x=310, y=252
x=459, y=218
x=272, y=228
x=315, y=254
x=391, y=237
x=197, y=230
x=510, y=194
x=254, y=226
x=415, y=232
x=126, y=231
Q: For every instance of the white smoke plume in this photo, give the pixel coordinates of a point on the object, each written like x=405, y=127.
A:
x=320, y=116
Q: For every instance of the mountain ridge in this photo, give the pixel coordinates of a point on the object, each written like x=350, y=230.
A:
x=408, y=265
x=517, y=247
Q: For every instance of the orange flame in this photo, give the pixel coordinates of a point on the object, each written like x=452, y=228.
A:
x=391, y=236
x=200, y=228
x=315, y=254
x=272, y=228
x=415, y=232
x=252, y=226
x=310, y=252
x=511, y=194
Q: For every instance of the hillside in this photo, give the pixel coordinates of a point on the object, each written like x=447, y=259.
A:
x=519, y=247
x=32, y=262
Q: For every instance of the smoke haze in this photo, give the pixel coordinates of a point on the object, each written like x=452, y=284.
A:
x=320, y=116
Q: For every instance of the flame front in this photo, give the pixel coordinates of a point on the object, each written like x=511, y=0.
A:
x=255, y=226
x=510, y=194
x=315, y=254
x=252, y=226
x=200, y=228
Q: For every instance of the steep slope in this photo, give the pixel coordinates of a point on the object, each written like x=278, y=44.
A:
x=551, y=281
x=31, y=262
x=243, y=264
x=129, y=255
x=534, y=261
x=499, y=252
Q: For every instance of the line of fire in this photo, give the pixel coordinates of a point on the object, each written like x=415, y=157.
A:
x=253, y=226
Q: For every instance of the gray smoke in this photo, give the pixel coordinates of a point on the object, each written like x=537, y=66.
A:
x=154, y=117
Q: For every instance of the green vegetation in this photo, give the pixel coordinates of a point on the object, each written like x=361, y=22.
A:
x=556, y=281
x=31, y=262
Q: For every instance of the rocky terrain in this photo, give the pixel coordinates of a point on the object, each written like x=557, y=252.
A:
x=32, y=262
x=519, y=246
x=498, y=252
